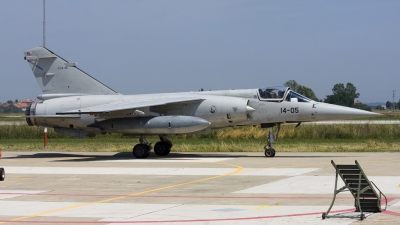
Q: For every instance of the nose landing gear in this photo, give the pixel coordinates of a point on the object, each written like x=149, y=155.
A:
x=271, y=138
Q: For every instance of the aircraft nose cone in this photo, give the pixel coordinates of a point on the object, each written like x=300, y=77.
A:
x=336, y=112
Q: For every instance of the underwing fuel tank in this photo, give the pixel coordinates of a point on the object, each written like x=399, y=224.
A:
x=153, y=125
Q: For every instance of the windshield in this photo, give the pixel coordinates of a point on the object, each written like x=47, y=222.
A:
x=272, y=93
x=296, y=97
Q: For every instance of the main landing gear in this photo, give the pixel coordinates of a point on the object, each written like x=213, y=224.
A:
x=161, y=148
x=271, y=138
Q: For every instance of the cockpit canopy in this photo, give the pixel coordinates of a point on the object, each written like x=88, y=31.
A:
x=272, y=93
x=278, y=94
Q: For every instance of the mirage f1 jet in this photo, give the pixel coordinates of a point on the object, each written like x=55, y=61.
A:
x=76, y=104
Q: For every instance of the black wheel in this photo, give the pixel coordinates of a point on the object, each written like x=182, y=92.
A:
x=362, y=217
x=323, y=216
x=141, y=151
x=269, y=152
x=2, y=174
x=162, y=148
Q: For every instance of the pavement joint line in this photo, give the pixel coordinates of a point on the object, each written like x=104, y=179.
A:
x=238, y=170
x=277, y=167
x=315, y=164
x=10, y=181
x=180, y=221
x=191, y=196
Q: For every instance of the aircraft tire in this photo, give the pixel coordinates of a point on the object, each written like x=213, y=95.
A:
x=2, y=174
x=141, y=151
x=162, y=148
x=269, y=152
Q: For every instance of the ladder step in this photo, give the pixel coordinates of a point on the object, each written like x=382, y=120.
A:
x=349, y=176
x=351, y=167
x=362, y=186
x=353, y=172
x=369, y=199
x=373, y=204
x=369, y=209
x=367, y=194
x=354, y=181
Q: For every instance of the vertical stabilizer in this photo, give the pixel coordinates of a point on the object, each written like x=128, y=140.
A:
x=58, y=77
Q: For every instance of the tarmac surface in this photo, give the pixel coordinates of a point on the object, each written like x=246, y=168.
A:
x=188, y=188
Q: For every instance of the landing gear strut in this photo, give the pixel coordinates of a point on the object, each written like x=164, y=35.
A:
x=271, y=138
x=142, y=150
x=163, y=147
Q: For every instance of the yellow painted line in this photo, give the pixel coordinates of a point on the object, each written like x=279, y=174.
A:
x=10, y=181
x=238, y=170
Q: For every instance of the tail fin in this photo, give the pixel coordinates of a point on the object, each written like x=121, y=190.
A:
x=58, y=77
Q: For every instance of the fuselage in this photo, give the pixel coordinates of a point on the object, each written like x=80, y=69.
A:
x=220, y=108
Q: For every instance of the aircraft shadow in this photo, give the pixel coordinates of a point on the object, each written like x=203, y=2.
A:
x=71, y=157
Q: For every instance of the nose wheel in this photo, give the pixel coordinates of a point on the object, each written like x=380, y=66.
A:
x=271, y=138
x=269, y=152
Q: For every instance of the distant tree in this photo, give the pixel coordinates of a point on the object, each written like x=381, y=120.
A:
x=10, y=102
x=292, y=84
x=362, y=106
x=308, y=92
x=201, y=89
x=16, y=100
x=389, y=105
x=343, y=95
x=303, y=90
x=379, y=107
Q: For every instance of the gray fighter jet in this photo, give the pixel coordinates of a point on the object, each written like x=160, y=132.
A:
x=76, y=104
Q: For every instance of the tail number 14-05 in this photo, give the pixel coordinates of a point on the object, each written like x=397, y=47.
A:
x=290, y=110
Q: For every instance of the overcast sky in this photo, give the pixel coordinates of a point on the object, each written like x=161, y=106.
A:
x=170, y=46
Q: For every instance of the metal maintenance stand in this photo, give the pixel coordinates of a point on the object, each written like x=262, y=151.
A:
x=355, y=180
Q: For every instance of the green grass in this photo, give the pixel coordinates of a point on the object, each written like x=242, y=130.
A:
x=4, y=117
x=305, y=138
x=305, y=131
